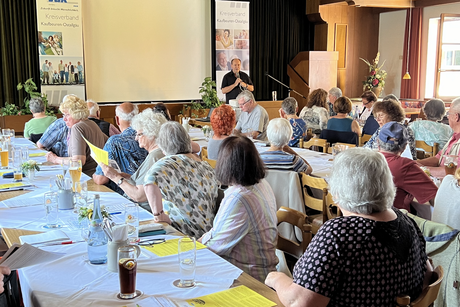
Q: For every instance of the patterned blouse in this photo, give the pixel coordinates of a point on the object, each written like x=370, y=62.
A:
x=315, y=117
x=356, y=261
x=430, y=132
x=189, y=190
x=372, y=143
x=299, y=128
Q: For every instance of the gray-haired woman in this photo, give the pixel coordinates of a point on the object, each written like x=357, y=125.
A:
x=371, y=249
x=431, y=130
x=288, y=111
x=187, y=185
x=147, y=125
x=40, y=120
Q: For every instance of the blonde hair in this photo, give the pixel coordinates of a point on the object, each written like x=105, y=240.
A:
x=76, y=107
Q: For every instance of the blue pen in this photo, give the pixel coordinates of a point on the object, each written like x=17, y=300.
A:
x=113, y=213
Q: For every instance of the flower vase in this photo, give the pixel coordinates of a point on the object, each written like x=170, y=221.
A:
x=377, y=90
x=30, y=175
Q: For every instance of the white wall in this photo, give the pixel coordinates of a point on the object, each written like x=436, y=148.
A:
x=391, y=44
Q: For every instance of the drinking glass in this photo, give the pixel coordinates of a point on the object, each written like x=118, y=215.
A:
x=65, y=162
x=4, y=154
x=17, y=156
x=81, y=194
x=132, y=219
x=51, y=210
x=12, y=135
x=6, y=134
x=127, y=268
x=187, y=262
x=17, y=174
x=25, y=153
x=75, y=172
x=450, y=164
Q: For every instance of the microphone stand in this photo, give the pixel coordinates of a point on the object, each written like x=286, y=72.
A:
x=289, y=89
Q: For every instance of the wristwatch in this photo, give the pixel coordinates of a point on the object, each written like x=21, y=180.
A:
x=120, y=181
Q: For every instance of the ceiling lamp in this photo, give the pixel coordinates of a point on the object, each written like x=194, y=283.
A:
x=407, y=75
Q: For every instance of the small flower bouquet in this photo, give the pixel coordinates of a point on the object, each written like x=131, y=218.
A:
x=376, y=76
x=206, y=129
x=29, y=165
x=87, y=212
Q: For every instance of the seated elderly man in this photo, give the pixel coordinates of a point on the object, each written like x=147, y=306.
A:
x=410, y=180
x=94, y=114
x=253, y=120
x=54, y=138
x=123, y=148
x=288, y=111
x=436, y=164
x=280, y=156
x=334, y=93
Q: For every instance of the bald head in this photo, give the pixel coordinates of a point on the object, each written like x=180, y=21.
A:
x=125, y=113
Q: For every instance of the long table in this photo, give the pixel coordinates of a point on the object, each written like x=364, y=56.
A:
x=72, y=281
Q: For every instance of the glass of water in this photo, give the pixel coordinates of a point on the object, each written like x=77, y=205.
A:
x=132, y=220
x=187, y=262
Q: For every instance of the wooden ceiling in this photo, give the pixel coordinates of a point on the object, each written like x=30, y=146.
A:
x=394, y=4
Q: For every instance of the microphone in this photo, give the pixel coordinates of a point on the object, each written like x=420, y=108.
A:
x=237, y=75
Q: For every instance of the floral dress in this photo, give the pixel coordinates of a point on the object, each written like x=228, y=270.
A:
x=189, y=190
x=315, y=117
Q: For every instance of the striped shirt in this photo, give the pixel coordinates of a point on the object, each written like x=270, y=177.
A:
x=283, y=161
x=244, y=230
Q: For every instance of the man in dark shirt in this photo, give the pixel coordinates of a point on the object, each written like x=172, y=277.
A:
x=235, y=81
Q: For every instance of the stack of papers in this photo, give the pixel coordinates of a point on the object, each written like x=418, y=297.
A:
x=18, y=257
x=46, y=237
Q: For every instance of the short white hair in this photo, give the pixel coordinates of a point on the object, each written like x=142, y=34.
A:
x=149, y=122
x=246, y=96
x=94, y=108
x=336, y=92
x=127, y=116
x=455, y=105
x=279, y=132
x=361, y=181
x=174, y=139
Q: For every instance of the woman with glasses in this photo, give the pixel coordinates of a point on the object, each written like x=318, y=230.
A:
x=366, y=117
x=147, y=125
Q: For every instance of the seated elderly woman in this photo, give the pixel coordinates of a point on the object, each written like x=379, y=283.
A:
x=447, y=201
x=280, y=156
x=431, y=130
x=75, y=113
x=40, y=121
x=223, y=121
x=366, y=265
x=342, y=121
x=187, y=184
x=316, y=112
x=299, y=127
x=244, y=231
x=390, y=110
x=147, y=125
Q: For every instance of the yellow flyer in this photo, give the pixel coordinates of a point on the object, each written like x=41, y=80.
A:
x=240, y=296
x=100, y=155
x=168, y=248
x=37, y=154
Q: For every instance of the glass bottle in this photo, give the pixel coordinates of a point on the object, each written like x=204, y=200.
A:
x=97, y=240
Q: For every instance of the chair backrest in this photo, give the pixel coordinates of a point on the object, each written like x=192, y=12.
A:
x=363, y=139
x=333, y=136
x=35, y=137
x=298, y=219
x=429, y=294
x=204, y=157
x=430, y=151
x=317, y=143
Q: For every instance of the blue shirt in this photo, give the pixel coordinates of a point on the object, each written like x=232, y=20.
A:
x=55, y=138
x=299, y=128
x=340, y=124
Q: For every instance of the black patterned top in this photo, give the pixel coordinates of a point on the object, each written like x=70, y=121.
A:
x=360, y=262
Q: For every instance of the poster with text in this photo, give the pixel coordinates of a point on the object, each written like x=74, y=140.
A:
x=232, y=39
x=60, y=47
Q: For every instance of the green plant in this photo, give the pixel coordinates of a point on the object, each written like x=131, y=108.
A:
x=30, y=88
x=209, y=94
x=9, y=109
x=29, y=165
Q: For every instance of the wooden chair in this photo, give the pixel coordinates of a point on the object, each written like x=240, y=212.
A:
x=363, y=139
x=329, y=150
x=317, y=143
x=429, y=294
x=429, y=151
x=204, y=157
x=297, y=219
x=317, y=199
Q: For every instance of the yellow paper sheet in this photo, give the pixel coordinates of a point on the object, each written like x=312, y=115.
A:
x=240, y=296
x=38, y=154
x=11, y=185
x=168, y=248
x=100, y=155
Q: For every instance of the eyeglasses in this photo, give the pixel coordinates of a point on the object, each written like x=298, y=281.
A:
x=139, y=134
x=149, y=242
x=242, y=104
x=365, y=104
x=380, y=115
x=65, y=115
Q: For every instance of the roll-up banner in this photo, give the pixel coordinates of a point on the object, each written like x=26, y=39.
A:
x=232, y=38
x=60, y=47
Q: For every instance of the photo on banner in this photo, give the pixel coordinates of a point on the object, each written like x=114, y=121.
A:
x=60, y=47
x=231, y=38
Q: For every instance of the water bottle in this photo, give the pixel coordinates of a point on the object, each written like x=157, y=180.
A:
x=356, y=115
x=97, y=240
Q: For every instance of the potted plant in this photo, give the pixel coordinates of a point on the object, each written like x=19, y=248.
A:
x=209, y=100
x=29, y=168
x=376, y=79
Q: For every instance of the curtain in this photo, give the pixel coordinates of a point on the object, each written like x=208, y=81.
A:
x=411, y=88
x=279, y=29
x=18, y=48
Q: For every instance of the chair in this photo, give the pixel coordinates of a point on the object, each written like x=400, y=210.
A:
x=364, y=139
x=317, y=143
x=204, y=157
x=429, y=294
x=429, y=151
x=35, y=137
x=317, y=199
x=333, y=136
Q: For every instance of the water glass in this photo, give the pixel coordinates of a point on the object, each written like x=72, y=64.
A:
x=187, y=262
x=81, y=194
x=17, y=156
x=12, y=135
x=132, y=219
x=25, y=153
x=51, y=210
